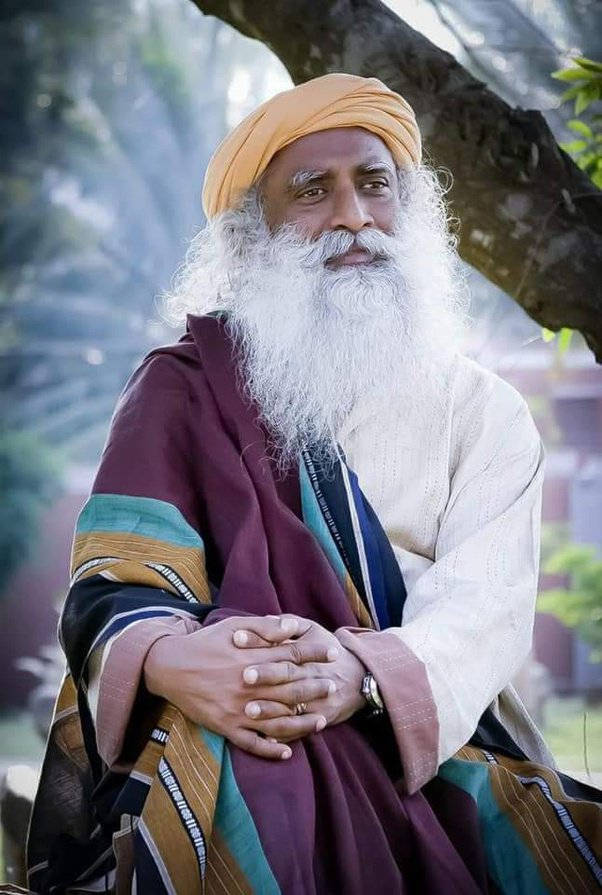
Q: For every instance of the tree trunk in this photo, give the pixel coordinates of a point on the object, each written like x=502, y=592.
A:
x=531, y=220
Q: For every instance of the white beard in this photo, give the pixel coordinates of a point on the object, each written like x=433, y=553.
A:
x=314, y=341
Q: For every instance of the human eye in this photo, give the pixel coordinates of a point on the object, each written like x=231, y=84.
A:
x=376, y=185
x=311, y=193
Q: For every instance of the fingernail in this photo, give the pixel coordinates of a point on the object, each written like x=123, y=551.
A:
x=289, y=625
x=286, y=753
x=332, y=688
x=320, y=724
x=250, y=675
x=241, y=638
x=271, y=739
x=332, y=653
x=252, y=709
x=273, y=617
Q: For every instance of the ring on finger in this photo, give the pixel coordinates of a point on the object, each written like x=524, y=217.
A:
x=300, y=708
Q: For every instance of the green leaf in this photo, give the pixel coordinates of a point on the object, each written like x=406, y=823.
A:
x=588, y=64
x=569, y=74
x=548, y=335
x=570, y=93
x=564, y=340
x=580, y=127
x=586, y=97
x=574, y=146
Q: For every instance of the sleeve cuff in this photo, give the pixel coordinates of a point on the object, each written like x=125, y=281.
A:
x=121, y=679
x=405, y=689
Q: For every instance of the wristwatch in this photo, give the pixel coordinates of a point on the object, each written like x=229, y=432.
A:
x=371, y=694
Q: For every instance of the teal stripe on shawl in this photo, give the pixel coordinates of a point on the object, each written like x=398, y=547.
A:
x=144, y=516
x=235, y=824
x=313, y=518
x=509, y=861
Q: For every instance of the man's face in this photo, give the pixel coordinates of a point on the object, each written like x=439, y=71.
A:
x=316, y=331
x=342, y=178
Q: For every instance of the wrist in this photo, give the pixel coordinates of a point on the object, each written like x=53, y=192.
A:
x=357, y=702
x=159, y=663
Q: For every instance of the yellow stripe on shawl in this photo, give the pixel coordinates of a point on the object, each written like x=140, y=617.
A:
x=130, y=558
x=536, y=821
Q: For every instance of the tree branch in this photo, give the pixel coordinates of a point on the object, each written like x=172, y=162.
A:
x=531, y=220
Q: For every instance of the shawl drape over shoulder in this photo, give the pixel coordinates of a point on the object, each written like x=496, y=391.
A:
x=187, y=524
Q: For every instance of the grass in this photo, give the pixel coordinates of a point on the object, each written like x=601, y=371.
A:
x=19, y=744
x=564, y=731
x=19, y=740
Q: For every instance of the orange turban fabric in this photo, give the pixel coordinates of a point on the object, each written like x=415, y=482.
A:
x=334, y=100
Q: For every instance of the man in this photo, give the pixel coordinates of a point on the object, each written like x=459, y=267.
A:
x=307, y=570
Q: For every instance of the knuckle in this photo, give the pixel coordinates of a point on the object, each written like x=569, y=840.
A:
x=290, y=670
x=296, y=653
x=270, y=674
x=281, y=727
x=300, y=692
x=237, y=621
x=306, y=725
x=271, y=727
x=304, y=691
x=255, y=742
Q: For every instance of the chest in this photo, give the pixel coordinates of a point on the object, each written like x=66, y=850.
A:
x=404, y=470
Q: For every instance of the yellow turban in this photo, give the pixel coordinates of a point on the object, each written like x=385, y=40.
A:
x=334, y=100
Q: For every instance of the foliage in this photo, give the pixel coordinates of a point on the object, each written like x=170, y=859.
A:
x=29, y=479
x=564, y=334
x=110, y=113
x=100, y=165
x=585, y=77
x=586, y=90
x=580, y=605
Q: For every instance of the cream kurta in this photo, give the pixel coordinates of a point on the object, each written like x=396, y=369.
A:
x=459, y=496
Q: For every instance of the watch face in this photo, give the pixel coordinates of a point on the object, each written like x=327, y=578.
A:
x=371, y=693
x=366, y=689
x=375, y=694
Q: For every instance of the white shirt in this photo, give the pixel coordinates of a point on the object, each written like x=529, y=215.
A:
x=459, y=495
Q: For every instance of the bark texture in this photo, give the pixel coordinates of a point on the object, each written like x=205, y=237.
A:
x=530, y=219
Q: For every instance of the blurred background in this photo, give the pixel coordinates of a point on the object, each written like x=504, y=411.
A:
x=111, y=112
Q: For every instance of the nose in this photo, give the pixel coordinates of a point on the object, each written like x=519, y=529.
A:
x=350, y=212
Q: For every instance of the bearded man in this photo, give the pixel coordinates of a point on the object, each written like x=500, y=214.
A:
x=307, y=570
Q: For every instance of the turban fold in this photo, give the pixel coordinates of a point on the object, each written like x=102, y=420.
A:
x=333, y=100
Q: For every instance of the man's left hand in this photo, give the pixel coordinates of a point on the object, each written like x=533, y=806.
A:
x=277, y=686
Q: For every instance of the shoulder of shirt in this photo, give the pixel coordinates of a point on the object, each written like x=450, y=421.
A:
x=478, y=387
x=487, y=408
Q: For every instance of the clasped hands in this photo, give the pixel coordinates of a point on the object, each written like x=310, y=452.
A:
x=242, y=678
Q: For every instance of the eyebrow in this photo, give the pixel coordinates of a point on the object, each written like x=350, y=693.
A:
x=304, y=177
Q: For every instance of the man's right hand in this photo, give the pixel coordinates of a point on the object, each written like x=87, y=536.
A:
x=202, y=675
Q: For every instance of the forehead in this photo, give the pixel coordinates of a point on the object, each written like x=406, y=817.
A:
x=336, y=149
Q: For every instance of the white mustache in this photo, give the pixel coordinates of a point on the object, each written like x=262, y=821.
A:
x=334, y=243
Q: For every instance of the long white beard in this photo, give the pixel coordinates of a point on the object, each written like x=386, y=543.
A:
x=314, y=341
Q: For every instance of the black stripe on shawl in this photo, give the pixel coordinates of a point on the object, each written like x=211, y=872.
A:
x=331, y=496
x=94, y=601
x=333, y=501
